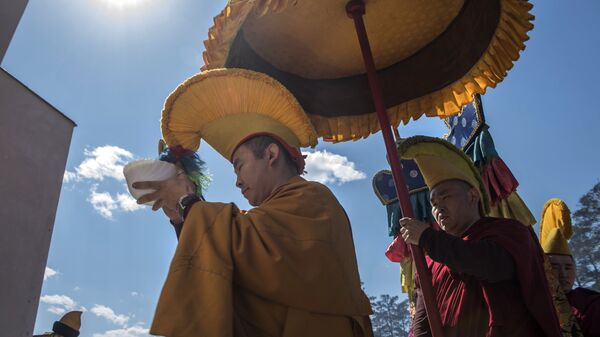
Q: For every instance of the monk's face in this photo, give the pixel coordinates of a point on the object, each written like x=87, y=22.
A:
x=252, y=175
x=564, y=270
x=455, y=206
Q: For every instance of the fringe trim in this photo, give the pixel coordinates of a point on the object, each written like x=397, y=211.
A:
x=227, y=24
x=505, y=46
x=415, y=140
x=303, y=129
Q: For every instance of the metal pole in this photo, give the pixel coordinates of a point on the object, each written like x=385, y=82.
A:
x=356, y=10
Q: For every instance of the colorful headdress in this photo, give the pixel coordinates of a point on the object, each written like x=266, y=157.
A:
x=555, y=227
x=469, y=133
x=441, y=161
x=225, y=107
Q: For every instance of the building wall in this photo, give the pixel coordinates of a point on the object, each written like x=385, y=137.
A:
x=34, y=143
x=10, y=14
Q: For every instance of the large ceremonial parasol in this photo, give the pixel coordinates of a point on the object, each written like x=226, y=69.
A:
x=421, y=57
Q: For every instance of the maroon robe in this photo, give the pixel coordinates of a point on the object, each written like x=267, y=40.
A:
x=490, y=282
x=585, y=304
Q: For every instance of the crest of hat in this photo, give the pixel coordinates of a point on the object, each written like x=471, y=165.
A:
x=225, y=106
x=440, y=161
x=555, y=227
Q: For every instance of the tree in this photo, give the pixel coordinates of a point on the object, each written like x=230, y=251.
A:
x=390, y=317
x=585, y=242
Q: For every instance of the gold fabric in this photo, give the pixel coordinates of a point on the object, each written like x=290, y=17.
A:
x=224, y=106
x=513, y=207
x=439, y=161
x=72, y=319
x=328, y=48
x=555, y=227
x=416, y=23
x=286, y=268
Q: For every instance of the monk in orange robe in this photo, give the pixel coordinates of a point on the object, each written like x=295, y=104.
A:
x=284, y=268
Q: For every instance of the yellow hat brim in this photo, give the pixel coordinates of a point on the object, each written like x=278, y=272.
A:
x=225, y=106
x=440, y=161
x=555, y=227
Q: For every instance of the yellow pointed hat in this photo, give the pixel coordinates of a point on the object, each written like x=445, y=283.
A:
x=555, y=227
x=225, y=107
x=68, y=325
x=440, y=161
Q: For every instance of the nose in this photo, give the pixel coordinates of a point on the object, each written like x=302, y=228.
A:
x=238, y=182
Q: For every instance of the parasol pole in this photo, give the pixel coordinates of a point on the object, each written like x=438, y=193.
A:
x=355, y=10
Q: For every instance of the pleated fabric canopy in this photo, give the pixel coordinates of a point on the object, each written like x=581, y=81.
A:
x=431, y=56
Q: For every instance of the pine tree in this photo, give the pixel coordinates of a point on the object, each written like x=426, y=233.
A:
x=585, y=242
x=390, y=317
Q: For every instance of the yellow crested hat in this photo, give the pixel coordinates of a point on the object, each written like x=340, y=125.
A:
x=68, y=325
x=441, y=161
x=555, y=227
x=225, y=107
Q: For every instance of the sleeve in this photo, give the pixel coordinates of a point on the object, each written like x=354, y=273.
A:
x=586, y=309
x=482, y=259
x=420, y=322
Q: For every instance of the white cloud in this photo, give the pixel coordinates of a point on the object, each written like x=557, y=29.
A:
x=134, y=331
x=330, y=168
x=127, y=203
x=102, y=202
x=109, y=314
x=105, y=204
x=134, y=293
x=102, y=162
x=49, y=272
x=70, y=176
x=63, y=301
x=57, y=310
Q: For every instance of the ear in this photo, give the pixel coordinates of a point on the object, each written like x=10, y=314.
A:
x=474, y=196
x=272, y=153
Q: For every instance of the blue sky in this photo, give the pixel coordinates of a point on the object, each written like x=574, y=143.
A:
x=109, y=67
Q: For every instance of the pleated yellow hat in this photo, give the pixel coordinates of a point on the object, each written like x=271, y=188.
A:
x=555, y=227
x=68, y=325
x=441, y=161
x=225, y=107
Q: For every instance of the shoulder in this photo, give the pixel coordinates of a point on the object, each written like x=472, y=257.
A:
x=502, y=222
x=309, y=187
x=499, y=226
x=582, y=292
x=506, y=232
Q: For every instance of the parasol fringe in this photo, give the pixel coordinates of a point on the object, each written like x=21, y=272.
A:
x=514, y=23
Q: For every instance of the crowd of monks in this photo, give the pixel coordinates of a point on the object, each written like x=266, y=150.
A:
x=287, y=267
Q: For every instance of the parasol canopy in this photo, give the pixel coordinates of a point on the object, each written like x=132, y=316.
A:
x=431, y=56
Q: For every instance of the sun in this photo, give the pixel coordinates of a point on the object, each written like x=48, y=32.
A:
x=121, y=4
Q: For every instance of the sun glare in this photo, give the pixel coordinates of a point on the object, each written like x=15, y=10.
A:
x=122, y=4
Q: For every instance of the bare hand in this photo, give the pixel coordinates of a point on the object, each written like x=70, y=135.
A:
x=167, y=192
x=412, y=229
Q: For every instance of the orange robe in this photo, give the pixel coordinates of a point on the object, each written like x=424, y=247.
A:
x=286, y=268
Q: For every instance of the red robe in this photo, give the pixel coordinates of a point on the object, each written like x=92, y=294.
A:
x=586, y=309
x=490, y=282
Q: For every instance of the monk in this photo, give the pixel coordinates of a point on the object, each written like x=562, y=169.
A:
x=555, y=231
x=286, y=267
x=488, y=273
x=68, y=326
